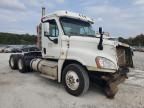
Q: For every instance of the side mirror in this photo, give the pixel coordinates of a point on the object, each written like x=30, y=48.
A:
x=55, y=40
x=46, y=29
x=100, y=31
x=100, y=45
x=47, y=33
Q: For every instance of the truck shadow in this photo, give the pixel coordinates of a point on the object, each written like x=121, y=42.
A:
x=93, y=88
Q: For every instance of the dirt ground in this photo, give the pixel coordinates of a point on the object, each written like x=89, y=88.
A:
x=30, y=90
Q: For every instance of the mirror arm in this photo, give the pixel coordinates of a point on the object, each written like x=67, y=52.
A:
x=54, y=41
x=48, y=36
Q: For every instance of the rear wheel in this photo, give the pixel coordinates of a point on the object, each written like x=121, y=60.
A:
x=22, y=65
x=75, y=79
x=13, y=62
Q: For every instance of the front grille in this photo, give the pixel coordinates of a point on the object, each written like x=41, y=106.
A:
x=124, y=55
x=121, y=56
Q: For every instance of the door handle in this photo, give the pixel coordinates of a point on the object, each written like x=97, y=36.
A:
x=44, y=50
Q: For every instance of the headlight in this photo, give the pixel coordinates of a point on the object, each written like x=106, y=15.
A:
x=105, y=63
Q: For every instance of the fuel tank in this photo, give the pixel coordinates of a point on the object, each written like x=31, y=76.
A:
x=45, y=67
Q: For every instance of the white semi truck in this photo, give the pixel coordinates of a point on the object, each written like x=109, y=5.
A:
x=73, y=55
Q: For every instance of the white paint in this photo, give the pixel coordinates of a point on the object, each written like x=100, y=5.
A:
x=81, y=49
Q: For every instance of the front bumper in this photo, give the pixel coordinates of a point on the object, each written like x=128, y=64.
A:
x=117, y=77
x=109, y=81
x=90, y=68
x=112, y=82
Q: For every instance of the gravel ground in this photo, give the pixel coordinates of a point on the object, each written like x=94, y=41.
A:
x=29, y=90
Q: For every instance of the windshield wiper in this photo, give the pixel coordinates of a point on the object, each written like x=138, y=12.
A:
x=77, y=34
x=90, y=35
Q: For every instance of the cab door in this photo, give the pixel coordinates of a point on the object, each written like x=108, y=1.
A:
x=51, y=39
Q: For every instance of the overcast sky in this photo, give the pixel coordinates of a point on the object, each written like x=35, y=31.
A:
x=118, y=17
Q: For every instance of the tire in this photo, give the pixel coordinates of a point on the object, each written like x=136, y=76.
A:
x=13, y=62
x=21, y=65
x=76, y=74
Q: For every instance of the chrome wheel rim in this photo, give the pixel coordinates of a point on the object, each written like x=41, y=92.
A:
x=72, y=80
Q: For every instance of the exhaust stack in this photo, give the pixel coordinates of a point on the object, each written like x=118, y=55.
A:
x=43, y=11
x=39, y=27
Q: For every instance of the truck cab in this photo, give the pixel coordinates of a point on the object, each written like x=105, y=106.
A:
x=71, y=53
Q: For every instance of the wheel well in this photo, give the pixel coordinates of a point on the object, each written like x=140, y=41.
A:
x=67, y=62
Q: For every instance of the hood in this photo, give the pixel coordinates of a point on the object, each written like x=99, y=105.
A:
x=85, y=49
x=88, y=47
x=94, y=40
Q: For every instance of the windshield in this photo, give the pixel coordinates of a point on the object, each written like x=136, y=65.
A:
x=76, y=27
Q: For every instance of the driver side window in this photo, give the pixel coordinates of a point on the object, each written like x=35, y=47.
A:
x=53, y=28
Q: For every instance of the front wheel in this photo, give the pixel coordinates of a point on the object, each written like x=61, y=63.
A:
x=75, y=79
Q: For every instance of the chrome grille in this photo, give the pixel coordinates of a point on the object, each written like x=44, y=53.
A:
x=124, y=55
x=121, y=56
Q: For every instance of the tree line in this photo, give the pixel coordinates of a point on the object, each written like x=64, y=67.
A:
x=133, y=41
x=17, y=39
